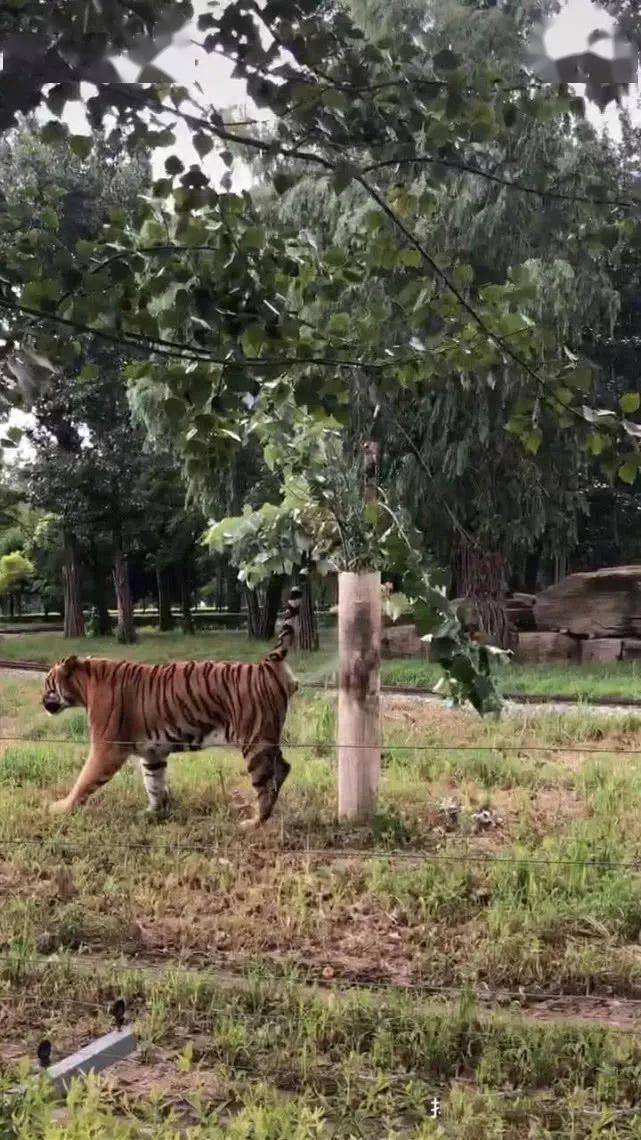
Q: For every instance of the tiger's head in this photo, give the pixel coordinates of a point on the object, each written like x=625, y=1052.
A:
x=61, y=690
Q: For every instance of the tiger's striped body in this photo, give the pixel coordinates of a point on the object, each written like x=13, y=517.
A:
x=150, y=711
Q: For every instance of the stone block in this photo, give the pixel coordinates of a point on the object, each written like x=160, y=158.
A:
x=601, y=649
x=539, y=648
x=401, y=641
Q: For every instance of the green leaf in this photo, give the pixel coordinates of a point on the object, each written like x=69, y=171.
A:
x=339, y=324
x=411, y=257
x=162, y=188
x=54, y=132
x=173, y=165
x=90, y=372
x=532, y=440
x=282, y=181
x=202, y=143
x=596, y=443
x=628, y=472
x=253, y=339
x=49, y=218
x=343, y=174
x=446, y=60
x=81, y=145
x=173, y=408
x=36, y=294
x=253, y=238
x=334, y=99
x=630, y=402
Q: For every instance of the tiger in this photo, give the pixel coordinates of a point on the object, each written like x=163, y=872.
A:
x=150, y=711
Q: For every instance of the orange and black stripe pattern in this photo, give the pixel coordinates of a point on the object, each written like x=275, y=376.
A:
x=151, y=711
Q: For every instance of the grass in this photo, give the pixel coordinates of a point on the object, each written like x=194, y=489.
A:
x=544, y=899
x=621, y=680
x=583, y=682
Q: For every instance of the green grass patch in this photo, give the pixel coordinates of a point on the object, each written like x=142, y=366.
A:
x=541, y=898
x=621, y=681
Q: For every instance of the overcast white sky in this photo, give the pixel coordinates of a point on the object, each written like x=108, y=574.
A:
x=209, y=77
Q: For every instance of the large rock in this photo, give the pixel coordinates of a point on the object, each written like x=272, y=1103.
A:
x=631, y=649
x=520, y=611
x=401, y=641
x=601, y=649
x=539, y=648
x=604, y=603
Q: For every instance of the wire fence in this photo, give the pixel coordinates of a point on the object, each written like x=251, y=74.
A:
x=502, y=748
x=473, y=1027
x=17, y=964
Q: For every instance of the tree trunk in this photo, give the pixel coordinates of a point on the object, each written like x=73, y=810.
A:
x=126, y=627
x=270, y=608
x=253, y=612
x=480, y=576
x=186, y=619
x=74, y=624
x=12, y=605
x=220, y=589
x=308, y=627
x=234, y=593
x=100, y=601
x=165, y=620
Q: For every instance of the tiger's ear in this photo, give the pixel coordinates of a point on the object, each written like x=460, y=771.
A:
x=68, y=664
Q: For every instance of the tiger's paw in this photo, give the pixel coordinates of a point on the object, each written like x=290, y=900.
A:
x=159, y=811
x=249, y=824
x=60, y=807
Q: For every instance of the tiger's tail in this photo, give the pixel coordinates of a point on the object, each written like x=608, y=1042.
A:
x=289, y=627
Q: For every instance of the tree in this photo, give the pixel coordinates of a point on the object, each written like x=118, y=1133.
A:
x=53, y=205
x=44, y=548
x=172, y=533
x=16, y=572
x=222, y=305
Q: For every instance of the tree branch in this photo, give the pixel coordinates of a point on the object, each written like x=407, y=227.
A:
x=467, y=168
x=498, y=340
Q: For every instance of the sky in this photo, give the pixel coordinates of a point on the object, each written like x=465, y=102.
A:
x=209, y=78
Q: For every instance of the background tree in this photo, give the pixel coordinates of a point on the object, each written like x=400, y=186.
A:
x=16, y=573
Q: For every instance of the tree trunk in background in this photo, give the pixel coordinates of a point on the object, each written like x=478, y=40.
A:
x=74, y=624
x=253, y=612
x=126, y=627
x=165, y=620
x=531, y=573
x=263, y=605
x=100, y=600
x=186, y=619
x=270, y=608
x=308, y=628
x=481, y=578
x=234, y=592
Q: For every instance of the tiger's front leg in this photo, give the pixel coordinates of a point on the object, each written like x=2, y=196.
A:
x=153, y=767
x=103, y=761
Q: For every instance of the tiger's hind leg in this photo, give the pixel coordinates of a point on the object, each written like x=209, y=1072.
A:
x=103, y=761
x=153, y=767
x=268, y=770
